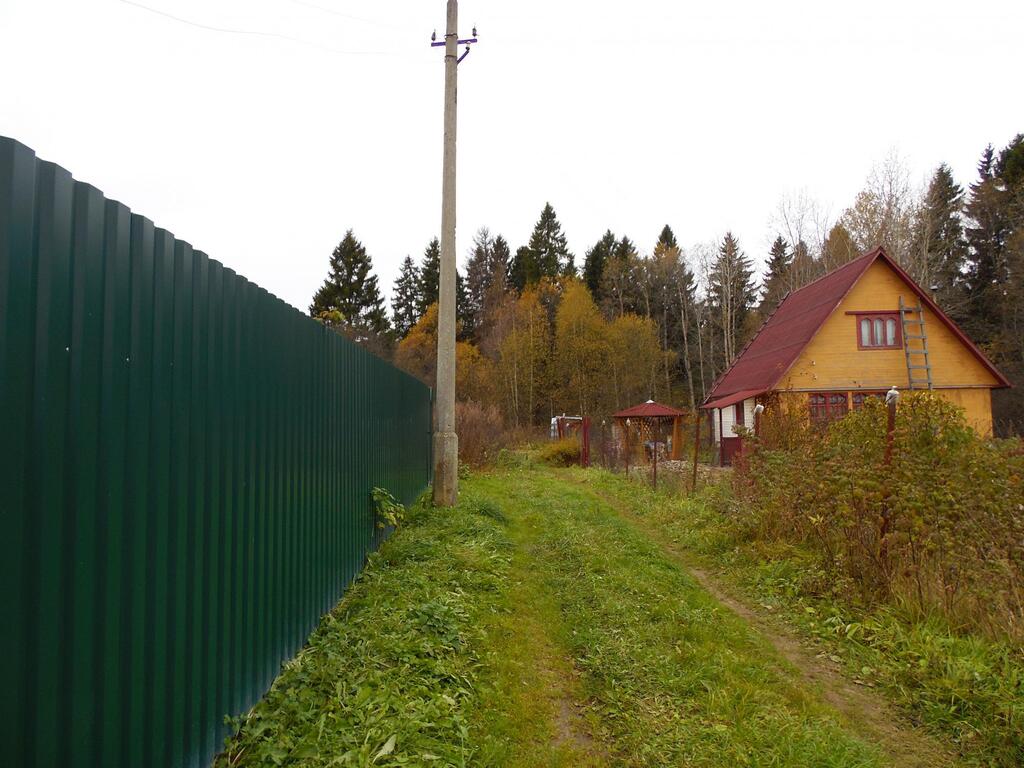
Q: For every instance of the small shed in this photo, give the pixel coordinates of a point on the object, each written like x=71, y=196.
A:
x=648, y=419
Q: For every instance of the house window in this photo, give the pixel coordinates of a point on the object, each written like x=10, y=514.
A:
x=859, y=398
x=827, y=406
x=739, y=414
x=881, y=331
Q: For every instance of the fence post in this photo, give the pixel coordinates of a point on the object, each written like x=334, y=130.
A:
x=696, y=451
x=627, y=447
x=890, y=404
x=585, y=449
x=657, y=430
x=891, y=398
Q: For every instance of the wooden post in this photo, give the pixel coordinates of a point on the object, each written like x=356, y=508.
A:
x=890, y=429
x=625, y=426
x=585, y=446
x=657, y=428
x=721, y=439
x=677, y=438
x=696, y=451
x=883, y=529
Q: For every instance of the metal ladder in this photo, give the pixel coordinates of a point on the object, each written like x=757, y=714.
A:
x=913, y=317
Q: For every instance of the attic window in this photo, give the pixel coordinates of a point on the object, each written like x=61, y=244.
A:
x=879, y=331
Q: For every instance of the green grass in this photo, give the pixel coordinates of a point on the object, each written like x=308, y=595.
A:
x=966, y=688
x=390, y=676
x=534, y=626
x=669, y=677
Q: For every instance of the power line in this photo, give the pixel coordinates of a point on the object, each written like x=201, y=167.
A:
x=349, y=16
x=253, y=32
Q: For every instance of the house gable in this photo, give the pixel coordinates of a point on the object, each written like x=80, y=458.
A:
x=833, y=359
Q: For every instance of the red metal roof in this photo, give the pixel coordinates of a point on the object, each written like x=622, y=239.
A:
x=734, y=398
x=787, y=331
x=650, y=409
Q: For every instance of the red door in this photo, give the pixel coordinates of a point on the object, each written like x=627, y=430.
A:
x=730, y=447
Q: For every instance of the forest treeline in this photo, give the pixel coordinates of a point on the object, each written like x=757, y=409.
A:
x=542, y=332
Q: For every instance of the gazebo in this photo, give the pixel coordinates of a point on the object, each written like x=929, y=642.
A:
x=648, y=419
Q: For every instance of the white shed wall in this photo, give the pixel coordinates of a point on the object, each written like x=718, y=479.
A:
x=728, y=416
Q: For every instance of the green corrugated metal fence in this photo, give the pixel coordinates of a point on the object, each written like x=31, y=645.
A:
x=185, y=473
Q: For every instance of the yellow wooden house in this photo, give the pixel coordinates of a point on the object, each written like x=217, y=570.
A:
x=849, y=335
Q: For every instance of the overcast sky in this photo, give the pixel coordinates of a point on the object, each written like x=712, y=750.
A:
x=262, y=149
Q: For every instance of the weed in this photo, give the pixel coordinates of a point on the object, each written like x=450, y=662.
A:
x=390, y=511
x=560, y=453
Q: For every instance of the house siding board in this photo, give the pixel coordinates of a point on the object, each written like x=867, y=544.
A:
x=977, y=405
x=833, y=361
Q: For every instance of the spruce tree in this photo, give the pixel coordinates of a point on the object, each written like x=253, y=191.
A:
x=523, y=270
x=667, y=238
x=731, y=294
x=478, y=280
x=620, y=277
x=501, y=264
x=685, y=285
x=351, y=290
x=549, y=248
x=776, y=282
x=1008, y=404
x=625, y=249
x=430, y=283
x=803, y=267
x=986, y=235
x=430, y=275
x=495, y=296
x=594, y=263
x=1010, y=165
x=940, y=249
x=405, y=298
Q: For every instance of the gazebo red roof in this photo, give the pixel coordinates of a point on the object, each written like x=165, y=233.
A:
x=650, y=409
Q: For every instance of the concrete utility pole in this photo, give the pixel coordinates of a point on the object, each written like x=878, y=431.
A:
x=446, y=442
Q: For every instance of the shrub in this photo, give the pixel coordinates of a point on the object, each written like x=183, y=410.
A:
x=481, y=432
x=938, y=528
x=390, y=511
x=560, y=453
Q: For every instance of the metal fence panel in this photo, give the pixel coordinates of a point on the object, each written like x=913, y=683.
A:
x=185, y=472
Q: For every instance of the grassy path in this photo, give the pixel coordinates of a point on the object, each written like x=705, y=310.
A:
x=538, y=624
x=863, y=710
x=668, y=676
